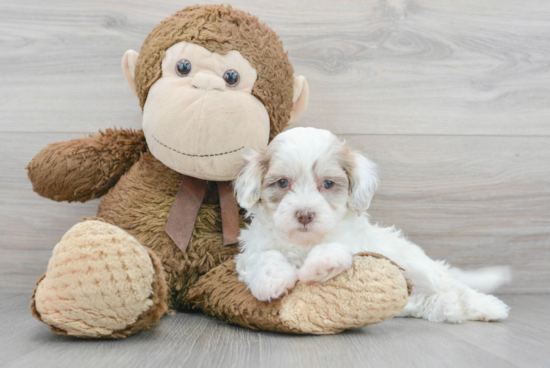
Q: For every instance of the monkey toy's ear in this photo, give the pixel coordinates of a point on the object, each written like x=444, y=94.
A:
x=300, y=98
x=129, y=62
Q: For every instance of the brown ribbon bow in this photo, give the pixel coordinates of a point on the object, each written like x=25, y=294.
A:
x=186, y=206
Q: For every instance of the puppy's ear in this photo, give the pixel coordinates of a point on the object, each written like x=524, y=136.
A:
x=249, y=180
x=363, y=181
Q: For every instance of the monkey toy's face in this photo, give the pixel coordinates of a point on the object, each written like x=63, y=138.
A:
x=200, y=116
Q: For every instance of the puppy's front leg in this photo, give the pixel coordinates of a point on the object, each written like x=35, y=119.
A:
x=268, y=274
x=324, y=262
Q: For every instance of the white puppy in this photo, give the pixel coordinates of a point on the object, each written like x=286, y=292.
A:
x=307, y=194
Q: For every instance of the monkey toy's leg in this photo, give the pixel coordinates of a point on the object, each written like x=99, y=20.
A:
x=372, y=291
x=100, y=283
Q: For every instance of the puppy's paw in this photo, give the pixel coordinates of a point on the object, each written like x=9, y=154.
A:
x=273, y=281
x=481, y=307
x=325, y=262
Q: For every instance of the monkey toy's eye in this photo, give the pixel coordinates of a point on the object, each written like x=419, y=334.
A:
x=183, y=67
x=231, y=77
x=282, y=183
x=327, y=184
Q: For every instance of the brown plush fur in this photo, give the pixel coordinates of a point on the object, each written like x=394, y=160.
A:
x=221, y=29
x=219, y=293
x=140, y=201
x=138, y=190
x=86, y=168
x=140, y=204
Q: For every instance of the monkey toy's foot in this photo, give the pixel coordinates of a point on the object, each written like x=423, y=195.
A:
x=100, y=283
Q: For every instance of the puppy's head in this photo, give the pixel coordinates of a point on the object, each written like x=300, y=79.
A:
x=305, y=182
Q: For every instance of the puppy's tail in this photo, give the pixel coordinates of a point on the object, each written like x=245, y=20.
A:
x=486, y=279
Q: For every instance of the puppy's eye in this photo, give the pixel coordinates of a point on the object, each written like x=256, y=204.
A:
x=327, y=184
x=231, y=77
x=282, y=183
x=183, y=67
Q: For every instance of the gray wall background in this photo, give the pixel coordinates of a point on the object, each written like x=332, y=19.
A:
x=450, y=98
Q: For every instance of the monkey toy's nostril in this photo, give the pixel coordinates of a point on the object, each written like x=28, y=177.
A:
x=305, y=217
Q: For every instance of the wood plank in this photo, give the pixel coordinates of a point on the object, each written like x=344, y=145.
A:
x=180, y=340
x=374, y=67
x=523, y=326
x=473, y=201
x=196, y=340
x=519, y=341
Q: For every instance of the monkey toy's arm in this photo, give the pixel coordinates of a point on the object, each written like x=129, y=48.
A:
x=86, y=168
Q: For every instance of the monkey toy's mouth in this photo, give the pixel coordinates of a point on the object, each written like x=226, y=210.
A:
x=202, y=161
x=198, y=155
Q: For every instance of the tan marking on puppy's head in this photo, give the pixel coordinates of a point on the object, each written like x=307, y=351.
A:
x=363, y=179
x=305, y=182
x=253, y=168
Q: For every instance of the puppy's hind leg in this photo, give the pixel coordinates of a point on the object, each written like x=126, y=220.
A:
x=453, y=295
x=449, y=300
x=433, y=296
x=481, y=307
x=436, y=307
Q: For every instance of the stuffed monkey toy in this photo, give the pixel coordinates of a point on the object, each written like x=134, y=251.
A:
x=212, y=81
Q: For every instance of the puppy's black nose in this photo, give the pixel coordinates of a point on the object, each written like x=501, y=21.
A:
x=305, y=217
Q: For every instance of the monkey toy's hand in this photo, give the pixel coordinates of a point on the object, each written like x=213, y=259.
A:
x=86, y=168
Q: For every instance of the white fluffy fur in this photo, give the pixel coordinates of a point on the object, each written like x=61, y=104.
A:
x=277, y=251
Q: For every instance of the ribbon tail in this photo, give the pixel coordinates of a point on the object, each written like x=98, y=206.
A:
x=230, y=213
x=184, y=211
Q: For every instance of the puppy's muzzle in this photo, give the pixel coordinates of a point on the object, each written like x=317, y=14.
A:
x=305, y=217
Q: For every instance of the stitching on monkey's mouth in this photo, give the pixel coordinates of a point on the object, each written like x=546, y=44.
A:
x=190, y=155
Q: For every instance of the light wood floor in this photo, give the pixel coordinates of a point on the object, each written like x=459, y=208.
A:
x=195, y=340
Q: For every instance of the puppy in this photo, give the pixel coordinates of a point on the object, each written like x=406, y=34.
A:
x=307, y=194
